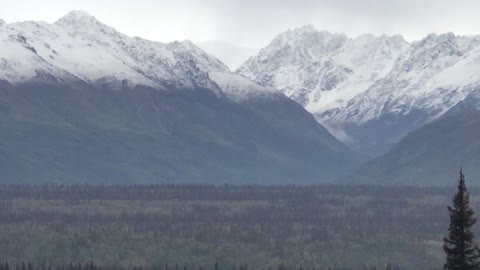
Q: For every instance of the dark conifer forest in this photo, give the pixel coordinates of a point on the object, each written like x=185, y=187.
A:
x=223, y=227
x=461, y=251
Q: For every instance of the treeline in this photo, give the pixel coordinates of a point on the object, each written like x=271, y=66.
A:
x=209, y=192
x=216, y=266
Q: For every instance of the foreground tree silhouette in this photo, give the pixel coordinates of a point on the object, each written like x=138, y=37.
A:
x=462, y=253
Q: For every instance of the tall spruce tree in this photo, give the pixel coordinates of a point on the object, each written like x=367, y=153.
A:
x=461, y=252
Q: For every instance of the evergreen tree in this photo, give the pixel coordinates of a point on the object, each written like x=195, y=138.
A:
x=461, y=252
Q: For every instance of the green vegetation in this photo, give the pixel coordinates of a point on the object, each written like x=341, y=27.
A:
x=461, y=251
x=313, y=226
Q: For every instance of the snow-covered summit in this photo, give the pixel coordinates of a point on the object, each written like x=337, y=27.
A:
x=77, y=21
x=355, y=80
x=321, y=70
x=369, y=89
x=433, y=75
x=77, y=16
x=2, y=22
x=78, y=46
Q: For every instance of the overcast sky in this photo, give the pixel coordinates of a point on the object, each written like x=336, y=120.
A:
x=253, y=23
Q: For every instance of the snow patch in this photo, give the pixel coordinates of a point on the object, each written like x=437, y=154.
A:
x=239, y=88
x=81, y=46
x=344, y=80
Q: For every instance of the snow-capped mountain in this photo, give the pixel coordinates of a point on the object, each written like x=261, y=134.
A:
x=83, y=103
x=78, y=46
x=321, y=70
x=370, y=91
x=433, y=75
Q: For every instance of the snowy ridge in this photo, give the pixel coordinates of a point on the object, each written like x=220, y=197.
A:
x=80, y=47
x=432, y=76
x=239, y=88
x=350, y=81
x=320, y=70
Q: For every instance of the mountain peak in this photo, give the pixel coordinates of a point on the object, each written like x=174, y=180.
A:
x=306, y=36
x=189, y=44
x=82, y=22
x=2, y=22
x=310, y=30
x=77, y=16
x=398, y=38
x=305, y=29
x=442, y=36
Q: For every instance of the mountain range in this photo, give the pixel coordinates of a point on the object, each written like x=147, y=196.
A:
x=82, y=103
x=370, y=91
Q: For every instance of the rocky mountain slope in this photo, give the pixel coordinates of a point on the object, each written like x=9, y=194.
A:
x=83, y=103
x=430, y=155
x=78, y=46
x=369, y=91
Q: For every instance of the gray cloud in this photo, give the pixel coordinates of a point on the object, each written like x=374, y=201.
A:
x=254, y=23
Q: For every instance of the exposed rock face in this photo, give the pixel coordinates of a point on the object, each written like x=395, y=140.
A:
x=83, y=103
x=369, y=91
